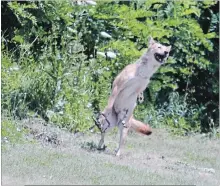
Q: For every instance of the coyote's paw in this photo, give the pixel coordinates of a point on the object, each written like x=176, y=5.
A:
x=102, y=148
x=117, y=152
x=141, y=97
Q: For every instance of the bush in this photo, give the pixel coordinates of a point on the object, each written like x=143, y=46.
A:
x=55, y=61
x=176, y=113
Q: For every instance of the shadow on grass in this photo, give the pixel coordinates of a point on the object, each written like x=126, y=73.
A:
x=91, y=146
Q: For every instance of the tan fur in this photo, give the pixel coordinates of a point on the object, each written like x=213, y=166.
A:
x=140, y=127
x=127, y=87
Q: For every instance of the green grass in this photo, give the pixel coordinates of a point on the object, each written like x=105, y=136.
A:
x=146, y=160
x=11, y=132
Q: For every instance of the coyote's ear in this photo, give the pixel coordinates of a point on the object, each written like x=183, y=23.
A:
x=150, y=41
x=169, y=48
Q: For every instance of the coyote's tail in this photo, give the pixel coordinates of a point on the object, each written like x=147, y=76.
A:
x=140, y=127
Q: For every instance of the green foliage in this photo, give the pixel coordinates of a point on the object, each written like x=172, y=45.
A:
x=10, y=131
x=176, y=113
x=11, y=79
x=51, y=66
x=174, y=23
x=57, y=87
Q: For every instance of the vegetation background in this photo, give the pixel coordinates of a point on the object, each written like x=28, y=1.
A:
x=59, y=59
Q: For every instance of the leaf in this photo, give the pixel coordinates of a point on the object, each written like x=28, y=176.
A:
x=167, y=69
x=18, y=39
x=192, y=10
x=173, y=86
x=211, y=35
x=186, y=71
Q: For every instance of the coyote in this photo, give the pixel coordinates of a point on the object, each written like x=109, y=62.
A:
x=127, y=87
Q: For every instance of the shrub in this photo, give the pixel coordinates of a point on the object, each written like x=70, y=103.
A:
x=51, y=65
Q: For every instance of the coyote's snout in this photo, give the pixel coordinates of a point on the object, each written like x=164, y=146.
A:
x=127, y=87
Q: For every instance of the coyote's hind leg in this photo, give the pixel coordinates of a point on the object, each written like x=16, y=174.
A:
x=122, y=117
x=107, y=120
x=123, y=134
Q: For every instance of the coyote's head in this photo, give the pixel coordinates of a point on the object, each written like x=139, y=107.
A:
x=157, y=52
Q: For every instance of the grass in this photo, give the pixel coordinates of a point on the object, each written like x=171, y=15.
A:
x=11, y=132
x=158, y=159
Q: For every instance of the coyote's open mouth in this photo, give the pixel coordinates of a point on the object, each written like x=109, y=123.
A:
x=160, y=57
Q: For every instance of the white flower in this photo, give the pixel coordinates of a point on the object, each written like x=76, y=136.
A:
x=79, y=3
x=101, y=54
x=89, y=105
x=111, y=55
x=91, y=2
x=108, y=54
x=71, y=30
x=14, y=68
x=61, y=112
x=58, y=85
x=58, y=56
x=105, y=35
